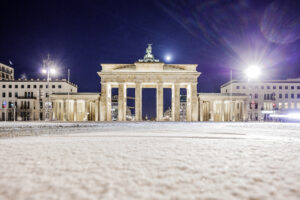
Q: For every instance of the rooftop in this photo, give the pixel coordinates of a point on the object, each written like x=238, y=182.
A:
x=294, y=80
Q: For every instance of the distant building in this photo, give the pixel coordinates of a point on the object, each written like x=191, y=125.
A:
x=6, y=72
x=25, y=99
x=267, y=97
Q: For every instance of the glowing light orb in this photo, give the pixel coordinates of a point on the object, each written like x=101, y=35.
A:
x=52, y=71
x=253, y=72
x=168, y=58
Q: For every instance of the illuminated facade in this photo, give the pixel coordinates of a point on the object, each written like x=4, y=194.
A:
x=267, y=97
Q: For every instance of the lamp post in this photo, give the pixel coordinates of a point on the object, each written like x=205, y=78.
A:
x=48, y=69
x=252, y=72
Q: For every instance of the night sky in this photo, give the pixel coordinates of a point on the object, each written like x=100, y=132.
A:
x=217, y=35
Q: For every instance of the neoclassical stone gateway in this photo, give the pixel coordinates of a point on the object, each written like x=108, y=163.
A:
x=145, y=73
x=149, y=75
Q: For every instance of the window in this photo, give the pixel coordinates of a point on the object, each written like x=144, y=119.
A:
x=46, y=86
x=53, y=86
x=262, y=87
x=22, y=86
x=237, y=87
x=256, y=105
x=292, y=87
x=280, y=87
x=286, y=96
x=255, y=96
x=3, y=94
x=286, y=87
x=292, y=105
x=298, y=96
x=273, y=96
x=286, y=105
x=34, y=86
x=41, y=105
x=9, y=94
x=280, y=96
x=47, y=94
x=28, y=86
x=268, y=87
x=16, y=94
x=41, y=86
x=274, y=87
x=3, y=86
x=10, y=86
x=59, y=86
x=298, y=87
x=292, y=96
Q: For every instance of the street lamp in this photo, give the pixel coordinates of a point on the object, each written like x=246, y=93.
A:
x=252, y=72
x=48, y=69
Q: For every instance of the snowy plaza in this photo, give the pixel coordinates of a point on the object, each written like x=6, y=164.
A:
x=149, y=160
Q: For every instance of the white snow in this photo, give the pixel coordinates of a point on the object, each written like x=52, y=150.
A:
x=149, y=160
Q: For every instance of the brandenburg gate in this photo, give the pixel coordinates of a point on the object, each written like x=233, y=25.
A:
x=149, y=73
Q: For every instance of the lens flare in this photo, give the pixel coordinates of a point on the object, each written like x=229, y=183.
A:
x=280, y=23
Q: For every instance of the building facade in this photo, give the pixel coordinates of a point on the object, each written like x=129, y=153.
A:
x=6, y=72
x=222, y=107
x=267, y=97
x=25, y=99
x=180, y=79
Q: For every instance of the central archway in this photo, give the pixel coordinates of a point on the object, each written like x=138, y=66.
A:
x=149, y=104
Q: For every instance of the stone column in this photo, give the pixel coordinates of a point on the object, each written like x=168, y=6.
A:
x=54, y=116
x=201, y=110
x=108, y=102
x=103, y=102
x=245, y=110
x=75, y=110
x=138, y=103
x=122, y=102
x=211, y=110
x=68, y=109
x=86, y=109
x=222, y=110
x=159, y=102
x=60, y=107
x=194, y=102
x=188, y=103
x=64, y=110
x=96, y=110
x=176, y=100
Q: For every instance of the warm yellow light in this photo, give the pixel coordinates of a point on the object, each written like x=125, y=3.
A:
x=44, y=71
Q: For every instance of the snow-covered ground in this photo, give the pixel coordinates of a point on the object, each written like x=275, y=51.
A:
x=149, y=160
